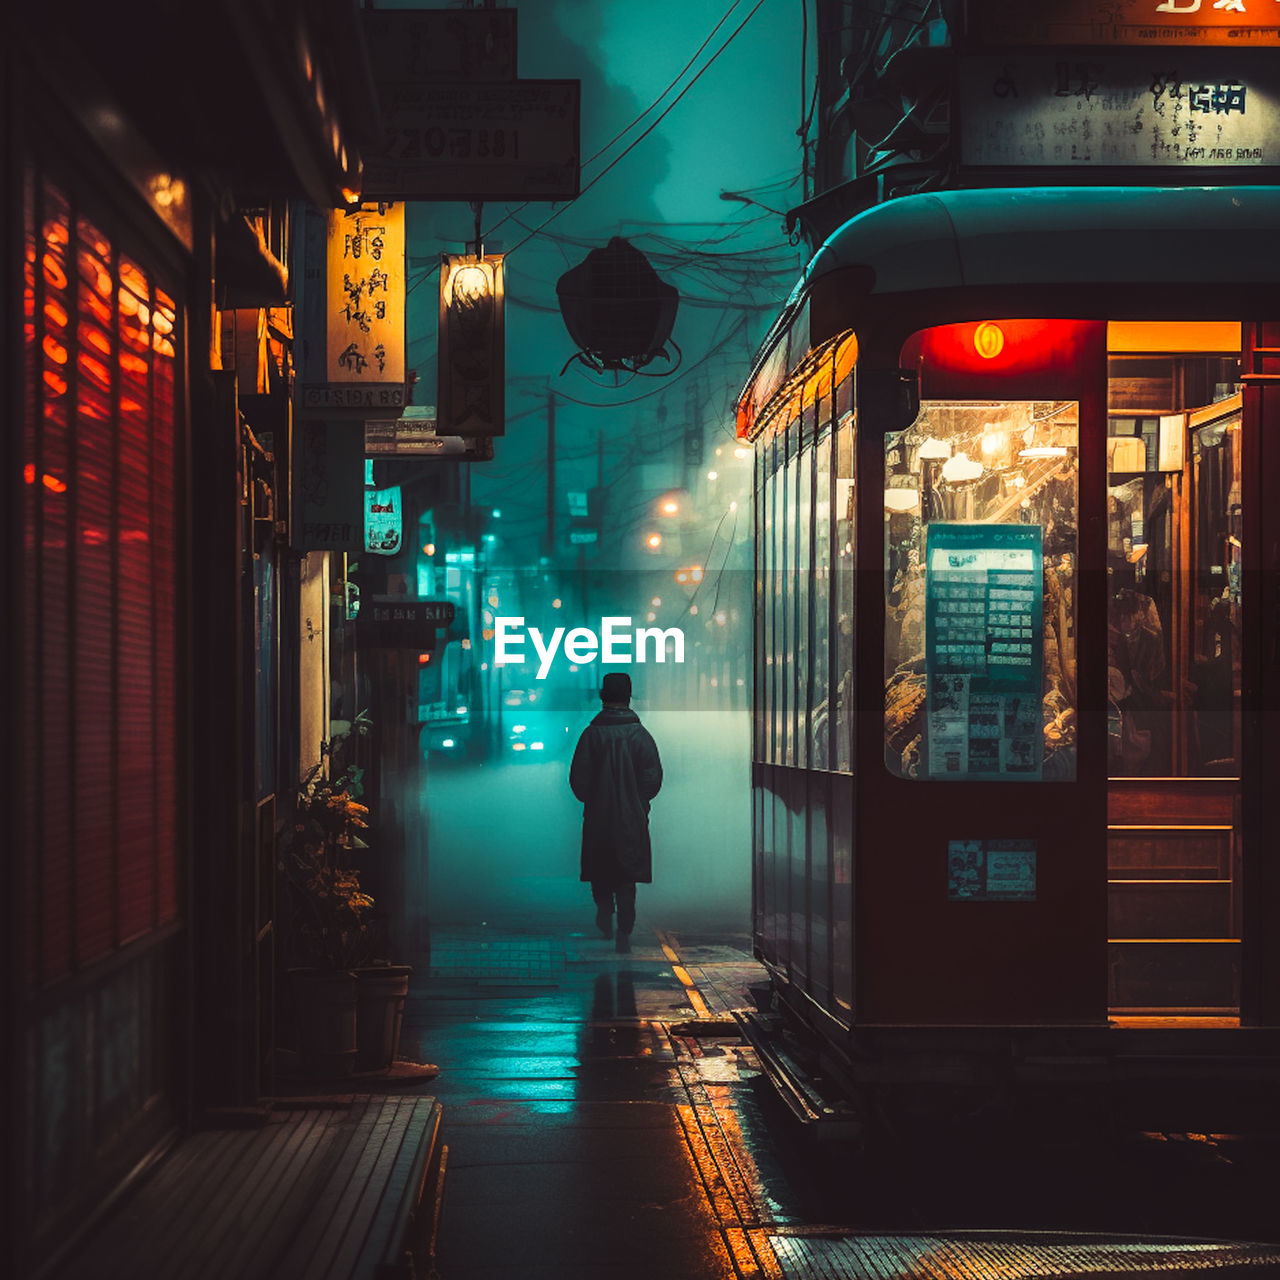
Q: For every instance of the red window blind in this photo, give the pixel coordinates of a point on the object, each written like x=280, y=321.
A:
x=100, y=527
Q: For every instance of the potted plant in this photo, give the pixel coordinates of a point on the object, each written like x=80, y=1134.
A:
x=326, y=912
x=350, y=1002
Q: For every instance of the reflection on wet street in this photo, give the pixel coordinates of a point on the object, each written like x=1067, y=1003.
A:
x=567, y=1156
x=604, y=1116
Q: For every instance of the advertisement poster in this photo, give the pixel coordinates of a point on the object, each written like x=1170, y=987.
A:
x=984, y=637
x=991, y=870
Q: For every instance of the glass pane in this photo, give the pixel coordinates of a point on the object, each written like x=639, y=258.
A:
x=1173, y=567
x=786, y=640
x=820, y=698
x=1214, y=680
x=845, y=566
x=980, y=571
x=819, y=912
x=842, y=895
x=802, y=560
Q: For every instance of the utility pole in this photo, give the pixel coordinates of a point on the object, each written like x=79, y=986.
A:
x=551, y=471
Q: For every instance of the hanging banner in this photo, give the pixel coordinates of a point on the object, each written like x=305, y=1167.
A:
x=383, y=521
x=365, y=292
x=327, y=478
x=1126, y=22
x=471, y=377
x=1185, y=108
x=984, y=641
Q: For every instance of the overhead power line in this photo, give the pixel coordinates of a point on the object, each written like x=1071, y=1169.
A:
x=706, y=66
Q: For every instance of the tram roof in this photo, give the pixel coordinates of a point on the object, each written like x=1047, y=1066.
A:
x=1050, y=235
x=1204, y=252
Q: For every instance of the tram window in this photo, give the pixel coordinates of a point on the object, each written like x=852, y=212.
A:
x=1173, y=566
x=980, y=511
x=845, y=590
x=820, y=698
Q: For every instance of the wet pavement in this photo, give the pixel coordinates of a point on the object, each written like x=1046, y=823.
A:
x=604, y=1117
x=568, y=1154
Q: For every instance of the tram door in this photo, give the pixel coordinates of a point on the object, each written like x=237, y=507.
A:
x=1174, y=529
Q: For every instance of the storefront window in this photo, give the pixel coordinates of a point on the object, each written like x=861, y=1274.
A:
x=980, y=509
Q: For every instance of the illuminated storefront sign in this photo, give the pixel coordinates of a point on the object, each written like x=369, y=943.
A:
x=1127, y=22
x=383, y=521
x=1192, y=108
x=366, y=302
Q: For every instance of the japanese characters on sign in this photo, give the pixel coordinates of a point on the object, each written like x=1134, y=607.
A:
x=366, y=297
x=1173, y=108
x=1236, y=23
x=984, y=637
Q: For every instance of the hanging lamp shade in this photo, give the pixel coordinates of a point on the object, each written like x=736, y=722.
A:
x=616, y=308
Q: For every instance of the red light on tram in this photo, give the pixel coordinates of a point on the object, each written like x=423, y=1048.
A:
x=988, y=340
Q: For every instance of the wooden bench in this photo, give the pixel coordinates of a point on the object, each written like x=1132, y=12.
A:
x=332, y=1188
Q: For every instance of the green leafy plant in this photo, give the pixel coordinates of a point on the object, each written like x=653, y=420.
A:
x=331, y=926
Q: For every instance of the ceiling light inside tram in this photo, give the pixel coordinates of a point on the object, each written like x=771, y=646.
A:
x=961, y=468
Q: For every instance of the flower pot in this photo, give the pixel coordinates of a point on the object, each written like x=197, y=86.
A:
x=380, y=996
x=326, y=1011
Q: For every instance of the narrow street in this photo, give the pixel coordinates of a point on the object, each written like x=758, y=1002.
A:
x=604, y=1117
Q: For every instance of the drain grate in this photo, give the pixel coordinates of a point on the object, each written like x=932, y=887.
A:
x=1002, y=1256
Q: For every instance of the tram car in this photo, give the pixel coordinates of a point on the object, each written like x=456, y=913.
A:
x=1014, y=731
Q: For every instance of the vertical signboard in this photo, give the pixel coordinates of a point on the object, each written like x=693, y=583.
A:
x=328, y=471
x=984, y=640
x=365, y=325
x=472, y=353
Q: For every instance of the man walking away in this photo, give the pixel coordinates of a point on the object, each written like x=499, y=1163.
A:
x=615, y=773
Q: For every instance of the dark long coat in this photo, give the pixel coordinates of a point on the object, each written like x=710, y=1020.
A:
x=615, y=773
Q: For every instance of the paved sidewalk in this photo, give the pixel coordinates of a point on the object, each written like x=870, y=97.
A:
x=604, y=1118
x=565, y=1112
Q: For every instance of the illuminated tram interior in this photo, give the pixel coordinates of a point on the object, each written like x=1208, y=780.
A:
x=1173, y=661
x=1173, y=666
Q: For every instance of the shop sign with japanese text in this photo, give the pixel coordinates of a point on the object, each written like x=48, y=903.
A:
x=1234, y=23
x=403, y=623
x=1173, y=108
x=365, y=295
x=383, y=521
